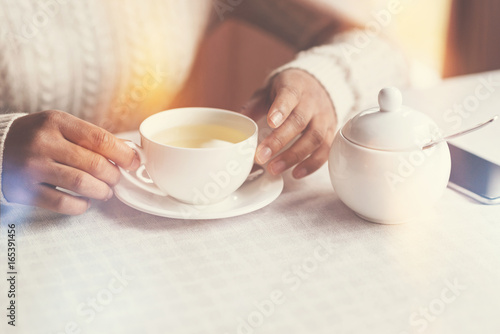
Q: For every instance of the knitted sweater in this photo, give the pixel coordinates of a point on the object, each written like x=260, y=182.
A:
x=114, y=63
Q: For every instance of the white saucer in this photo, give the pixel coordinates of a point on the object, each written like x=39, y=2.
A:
x=250, y=197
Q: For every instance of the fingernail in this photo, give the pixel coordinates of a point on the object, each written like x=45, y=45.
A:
x=276, y=118
x=110, y=194
x=135, y=163
x=264, y=154
x=278, y=167
x=300, y=173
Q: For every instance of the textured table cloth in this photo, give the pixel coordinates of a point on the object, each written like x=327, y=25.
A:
x=303, y=264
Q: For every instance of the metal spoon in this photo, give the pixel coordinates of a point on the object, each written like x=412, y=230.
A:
x=474, y=128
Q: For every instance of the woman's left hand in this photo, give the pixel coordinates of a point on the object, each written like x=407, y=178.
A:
x=295, y=102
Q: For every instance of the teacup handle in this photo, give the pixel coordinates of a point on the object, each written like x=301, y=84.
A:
x=138, y=178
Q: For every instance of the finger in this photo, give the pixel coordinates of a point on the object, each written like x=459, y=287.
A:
x=281, y=136
x=75, y=180
x=49, y=198
x=309, y=142
x=83, y=159
x=286, y=99
x=257, y=106
x=315, y=160
x=98, y=140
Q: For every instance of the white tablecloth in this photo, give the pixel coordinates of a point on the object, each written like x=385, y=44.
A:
x=304, y=264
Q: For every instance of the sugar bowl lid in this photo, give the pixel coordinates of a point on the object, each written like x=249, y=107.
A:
x=392, y=126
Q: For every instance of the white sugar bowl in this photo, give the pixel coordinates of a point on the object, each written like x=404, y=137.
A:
x=378, y=167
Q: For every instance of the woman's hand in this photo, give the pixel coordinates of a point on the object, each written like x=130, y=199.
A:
x=295, y=102
x=54, y=149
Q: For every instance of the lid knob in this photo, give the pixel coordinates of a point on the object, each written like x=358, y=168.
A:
x=390, y=99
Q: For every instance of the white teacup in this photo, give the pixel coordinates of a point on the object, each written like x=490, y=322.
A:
x=197, y=170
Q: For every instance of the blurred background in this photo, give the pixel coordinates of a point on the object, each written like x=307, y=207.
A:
x=445, y=37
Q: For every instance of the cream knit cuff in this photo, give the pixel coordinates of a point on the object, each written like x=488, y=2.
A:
x=6, y=121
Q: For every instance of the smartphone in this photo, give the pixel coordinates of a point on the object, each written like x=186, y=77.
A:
x=474, y=176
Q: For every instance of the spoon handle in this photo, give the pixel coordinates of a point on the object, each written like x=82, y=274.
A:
x=458, y=134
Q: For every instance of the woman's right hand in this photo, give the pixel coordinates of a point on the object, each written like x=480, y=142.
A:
x=53, y=149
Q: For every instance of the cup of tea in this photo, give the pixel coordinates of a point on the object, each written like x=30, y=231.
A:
x=196, y=155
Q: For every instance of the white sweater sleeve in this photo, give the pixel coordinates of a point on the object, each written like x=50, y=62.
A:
x=352, y=69
x=6, y=121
